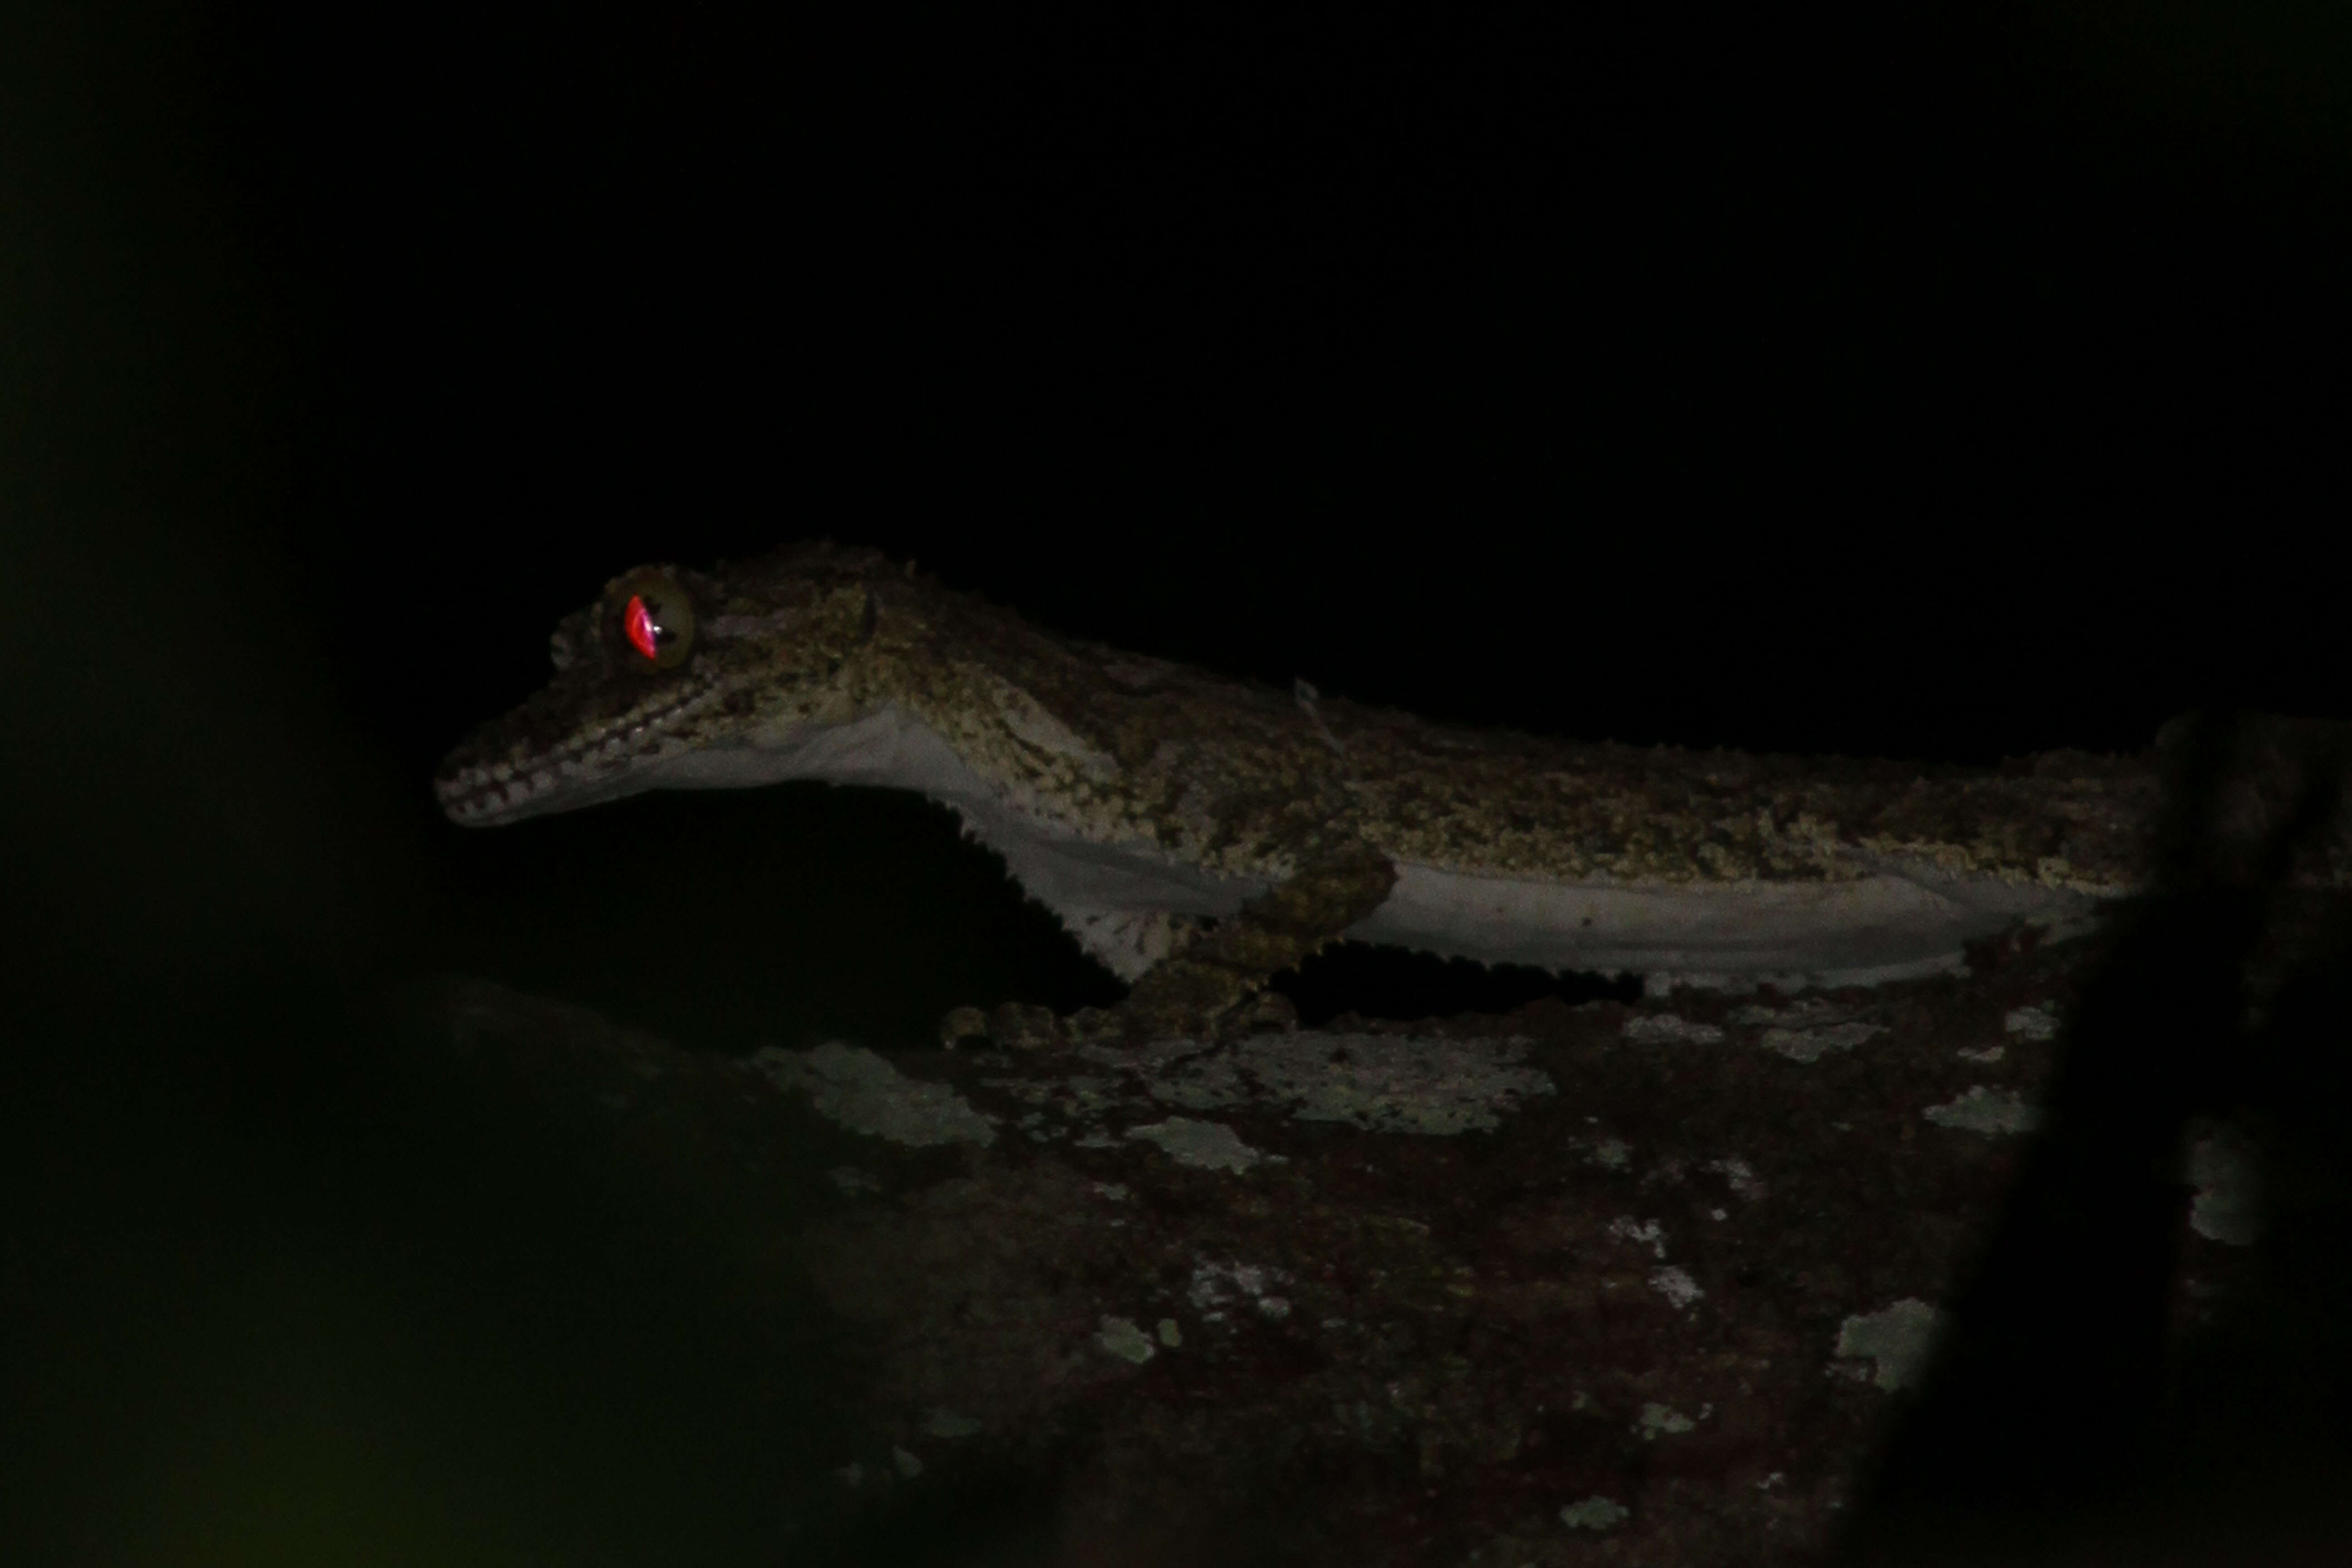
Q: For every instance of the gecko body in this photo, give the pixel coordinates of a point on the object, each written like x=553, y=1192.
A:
x=1197, y=835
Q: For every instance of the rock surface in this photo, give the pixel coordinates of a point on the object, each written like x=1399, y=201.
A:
x=1634, y=1282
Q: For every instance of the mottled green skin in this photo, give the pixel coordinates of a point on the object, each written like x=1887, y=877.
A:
x=1321, y=797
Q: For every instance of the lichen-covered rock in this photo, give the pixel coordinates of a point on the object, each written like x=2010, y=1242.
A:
x=1385, y=1294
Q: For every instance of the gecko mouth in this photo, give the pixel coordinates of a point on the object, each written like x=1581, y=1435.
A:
x=593, y=763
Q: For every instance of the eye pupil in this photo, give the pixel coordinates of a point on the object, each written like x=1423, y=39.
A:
x=637, y=623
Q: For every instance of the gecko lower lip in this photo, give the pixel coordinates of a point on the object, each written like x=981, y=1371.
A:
x=481, y=793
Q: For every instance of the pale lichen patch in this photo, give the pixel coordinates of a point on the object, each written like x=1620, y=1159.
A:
x=1658, y=1421
x=861, y=1092
x=1121, y=1338
x=1659, y=1026
x=1811, y=1044
x=1216, y=1285
x=1642, y=1233
x=1595, y=1513
x=2039, y=1022
x=1899, y=1339
x=1809, y=1030
x=1995, y=1113
x=1675, y=1284
x=1208, y=1145
x=2222, y=1165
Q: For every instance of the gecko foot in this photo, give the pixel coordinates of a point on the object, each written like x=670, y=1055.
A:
x=1223, y=971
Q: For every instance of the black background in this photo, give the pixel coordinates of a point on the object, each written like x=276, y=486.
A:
x=1949, y=385
x=1939, y=386
x=1929, y=387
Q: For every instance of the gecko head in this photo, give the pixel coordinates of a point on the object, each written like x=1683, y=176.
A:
x=668, y=674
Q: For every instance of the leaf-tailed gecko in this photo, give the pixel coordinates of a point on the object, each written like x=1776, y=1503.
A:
x=1199, y=835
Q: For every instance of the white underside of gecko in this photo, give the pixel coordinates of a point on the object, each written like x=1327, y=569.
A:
x=1123, y=901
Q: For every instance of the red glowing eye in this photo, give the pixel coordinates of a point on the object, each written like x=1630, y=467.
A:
x=638, y=622
x=654, y=614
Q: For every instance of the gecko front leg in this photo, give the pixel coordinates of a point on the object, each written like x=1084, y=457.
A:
x=1223, y=967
